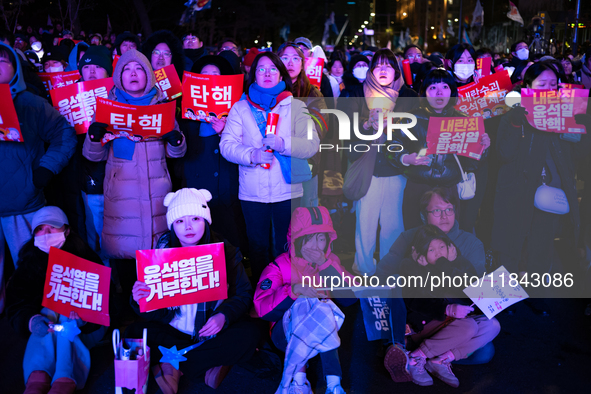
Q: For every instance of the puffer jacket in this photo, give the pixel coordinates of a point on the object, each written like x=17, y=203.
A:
x=242, y=136
x=444, y=170
x=273, y=295
x=40, y=124
x=134, y=190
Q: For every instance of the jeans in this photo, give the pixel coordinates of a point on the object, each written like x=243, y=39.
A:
x=260, y=218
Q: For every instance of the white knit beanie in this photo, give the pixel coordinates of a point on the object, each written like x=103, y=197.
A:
x=187, y=202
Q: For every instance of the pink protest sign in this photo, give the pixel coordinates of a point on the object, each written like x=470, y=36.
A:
x=554, y=110
x=455, y=135
x=182, y=276
x=75, y=284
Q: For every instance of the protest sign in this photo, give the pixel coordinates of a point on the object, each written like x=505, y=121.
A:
x=59, y=40
x=205, y=96
x=10, y=129
x=483, y=66
x=75, y=284
x=493, y=293
x=59, y=79
x=77, y=102
x=167, y=80
x=182, y=276
x=485, y=98
x=376, y=318
x=135, y=122
x=115, y=60
x=313, y=67
x=554, y=111
x=455, y=135
x=570, y=86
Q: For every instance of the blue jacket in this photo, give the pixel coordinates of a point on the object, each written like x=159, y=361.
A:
x=40, y=124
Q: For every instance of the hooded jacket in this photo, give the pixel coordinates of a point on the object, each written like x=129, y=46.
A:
x=175, y=45
x=273, y=295
x=134, y=215
x=75, y=55
x=40, y=124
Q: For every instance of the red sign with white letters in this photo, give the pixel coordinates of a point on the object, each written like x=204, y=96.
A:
x=10, y=129
x=485, y=98
x=77, y=102
x=455, y=135
x=167, y=80
x=135, y=122
x=555, y=110
x=210, y=95
x=182, y=276
x=59, y=79
x=313, y=67
x=75, y=284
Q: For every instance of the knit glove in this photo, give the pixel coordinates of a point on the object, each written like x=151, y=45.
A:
x=39, y=325
x=517, y=116
x=272, y=141
x=41, y=177
x=260, y=156
x=174, y=138
x=97, y=131
x=458, y=311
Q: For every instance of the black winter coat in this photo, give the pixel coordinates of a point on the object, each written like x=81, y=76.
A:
x=24, y=293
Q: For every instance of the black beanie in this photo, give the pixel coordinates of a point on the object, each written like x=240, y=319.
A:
x=99, y=56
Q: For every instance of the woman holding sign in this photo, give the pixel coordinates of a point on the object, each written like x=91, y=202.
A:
x=269, y=186
x=136, y=175
x=229, y=338
x=50, y=361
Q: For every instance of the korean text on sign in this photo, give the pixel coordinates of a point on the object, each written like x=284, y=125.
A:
x=313, y=67
x=553, y=111
x=205, y=96
x=134, y=122
x=182, y=276
x=10, y=129
x=455, y=135
x=59, y=79
x=376, y=318
x=77, y=102
x=167, y=80
x=75, y=284
x=485, y=98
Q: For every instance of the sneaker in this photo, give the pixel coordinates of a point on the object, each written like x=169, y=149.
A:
x=443, y=372
x=338, y=389
x=295, y=388
x=396, y=362
x=418, y=373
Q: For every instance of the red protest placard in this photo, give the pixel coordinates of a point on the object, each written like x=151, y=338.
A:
x=570, y=86
x=135, y=122
x=10, y=128
x=167, y=80
x=485, y=98
x=209, y=95
x=483, y=66
x=59, y=80
x=115, y=60
x=313, y=67
x=75, y=284
x=455, y=135
x=59, y=40
x=554, y=111
x=77, y=102
x=182, y=276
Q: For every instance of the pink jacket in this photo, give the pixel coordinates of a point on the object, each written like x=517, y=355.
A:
x=273, y=295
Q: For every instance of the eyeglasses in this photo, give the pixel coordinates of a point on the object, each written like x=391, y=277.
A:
x=294, y=59
x=233, y=49
x=437, y=212
x=270, y=70
x=163, y=53
x=190, y=39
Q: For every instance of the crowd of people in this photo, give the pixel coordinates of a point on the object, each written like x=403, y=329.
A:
x=228, y=181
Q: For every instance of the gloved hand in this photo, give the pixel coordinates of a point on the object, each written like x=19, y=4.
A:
x=97, y=131
x=39, y=325
x=458, y=311
x=517, y=116
x=259, y=156
x=41, y=177
x=583, y=119
x=272, y=141
x=174, y=138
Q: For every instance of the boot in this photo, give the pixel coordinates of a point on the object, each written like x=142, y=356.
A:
x=63, y=386
x=215, y=375
x=167, y=377
x=39, y=383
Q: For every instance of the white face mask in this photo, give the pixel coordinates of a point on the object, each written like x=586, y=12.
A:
x=464, y=71
x=36, y=46
x=46, y=241
x=522, y=54
x=360, y=72
x=57, y=69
